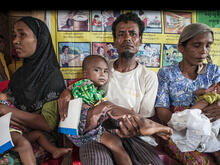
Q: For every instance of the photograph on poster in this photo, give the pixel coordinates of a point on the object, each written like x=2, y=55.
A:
x=174, y=22
x=71, y=54
x=102, y=20
x=151, y=19
x=105, y=49
x=149, y=55
x=77, y=20
x=171, y=55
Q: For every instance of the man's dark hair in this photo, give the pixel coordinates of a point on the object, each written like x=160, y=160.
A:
x=128, y=17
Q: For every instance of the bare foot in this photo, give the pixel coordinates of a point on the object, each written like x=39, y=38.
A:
x=60, y=152
x=148, y=127
x=4, y=161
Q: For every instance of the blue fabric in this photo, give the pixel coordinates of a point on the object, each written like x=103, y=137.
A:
x=176, y=90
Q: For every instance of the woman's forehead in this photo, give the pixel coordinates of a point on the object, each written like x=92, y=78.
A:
x=203, y=37
x=20, y=25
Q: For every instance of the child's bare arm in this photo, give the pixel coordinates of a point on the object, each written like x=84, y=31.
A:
x=200, y=92
x=200, y=105
x=114, y=111
x=118, y=112
x=203, y=103
x=203, y=91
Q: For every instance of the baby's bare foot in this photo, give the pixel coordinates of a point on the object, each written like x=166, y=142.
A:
x=148, y=127
x=4, y=161
x=60, y=152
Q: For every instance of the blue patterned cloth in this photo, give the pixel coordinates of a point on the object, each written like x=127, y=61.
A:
x=176, y=90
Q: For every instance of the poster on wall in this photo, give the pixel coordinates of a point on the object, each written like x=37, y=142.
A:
x=72, y=21
x=71, y=54
x=171, y=55
x=152, y=20
x=102, y=20
x=77, y=34
x=149, y=55
x=105, y=49
x=159, y=46
x=209, y=17
x=80, y=33
x=174, y=22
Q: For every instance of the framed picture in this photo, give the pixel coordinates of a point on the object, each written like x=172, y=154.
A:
x=151, y=19
x=77, y=20
x=71, y=54
x=174, y=22
x=102, y=20
x=149, y=55
x=171, y=55
x=104, y=49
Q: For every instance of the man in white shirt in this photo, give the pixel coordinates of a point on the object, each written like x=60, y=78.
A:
x=130, y=85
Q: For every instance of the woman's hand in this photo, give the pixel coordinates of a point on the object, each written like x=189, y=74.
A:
x=212, y=111
x=63, y=103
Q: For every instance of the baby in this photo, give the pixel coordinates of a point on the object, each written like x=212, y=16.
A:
x=103, y=121
x=22, y=139
x=207, y=96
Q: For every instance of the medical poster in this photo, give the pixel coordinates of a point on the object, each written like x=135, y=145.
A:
x=80, y=33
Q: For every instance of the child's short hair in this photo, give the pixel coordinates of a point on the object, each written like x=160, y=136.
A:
x=91, y=58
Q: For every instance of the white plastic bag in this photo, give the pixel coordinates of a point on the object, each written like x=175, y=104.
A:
x=191, y=128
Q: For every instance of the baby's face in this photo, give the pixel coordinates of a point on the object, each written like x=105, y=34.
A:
x=98, y=72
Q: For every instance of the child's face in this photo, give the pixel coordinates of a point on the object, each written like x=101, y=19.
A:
x=98, y=72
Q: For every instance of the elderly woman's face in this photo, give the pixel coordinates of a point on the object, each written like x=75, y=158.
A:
x=197, y=48
x=24, y=40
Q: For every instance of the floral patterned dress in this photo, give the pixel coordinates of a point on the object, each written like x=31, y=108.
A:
x=176, y=92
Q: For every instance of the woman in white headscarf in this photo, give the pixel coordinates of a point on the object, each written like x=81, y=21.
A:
x=178, y=82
